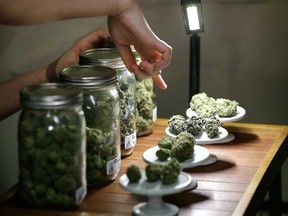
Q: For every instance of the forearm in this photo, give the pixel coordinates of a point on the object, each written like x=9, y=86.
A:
x=10, y=90
x=19, y=12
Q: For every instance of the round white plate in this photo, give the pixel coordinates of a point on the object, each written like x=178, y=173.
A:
x=210, y=160
x=200, y=155
x=238, y=116
x=155, y=206
x=228, y=139
x=143, y=187
x=203, y=137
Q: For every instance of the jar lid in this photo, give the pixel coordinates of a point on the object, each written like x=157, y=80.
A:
x=102, y=57
x=87, y=76
x=50, y=95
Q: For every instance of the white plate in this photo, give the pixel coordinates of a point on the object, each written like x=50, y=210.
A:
x=228, y=139
x=238, y=116
x=200, y=155
x=210, y=160
x=203, y=137
x=155, y=206
x=143, y=187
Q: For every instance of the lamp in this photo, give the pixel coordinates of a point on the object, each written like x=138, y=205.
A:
x=193, y=22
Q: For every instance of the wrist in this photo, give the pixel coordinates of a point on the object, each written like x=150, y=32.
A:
x=121, y=7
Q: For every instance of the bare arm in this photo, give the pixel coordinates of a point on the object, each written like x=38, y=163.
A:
x=10, y=89
x=127, y=26
x=19, y=12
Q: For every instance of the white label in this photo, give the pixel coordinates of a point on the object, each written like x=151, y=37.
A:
x=130, y=140
x=154, y=114
x=113, y=166
x=80, y=194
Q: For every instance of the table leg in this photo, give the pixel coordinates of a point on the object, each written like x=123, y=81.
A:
x=275, y=196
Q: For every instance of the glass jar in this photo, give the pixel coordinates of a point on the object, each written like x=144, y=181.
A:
x=146, y=111
x=126, y=87
x=146, y=107
x=102, y=112
x=52, y=145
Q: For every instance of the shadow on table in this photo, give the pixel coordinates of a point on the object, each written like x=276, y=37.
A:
x=242, y=138
x=218, y=166
x=185, y=198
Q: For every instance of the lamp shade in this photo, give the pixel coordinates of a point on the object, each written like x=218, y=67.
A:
x=192, y=16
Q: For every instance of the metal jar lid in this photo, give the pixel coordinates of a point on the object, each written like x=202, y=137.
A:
x=101, y=57
x=50, y=95
x=87, y=76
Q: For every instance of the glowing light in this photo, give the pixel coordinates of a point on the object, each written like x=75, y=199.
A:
x=193, y=18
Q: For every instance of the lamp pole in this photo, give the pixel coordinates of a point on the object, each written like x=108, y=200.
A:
x=194, y=79
x=194, y=24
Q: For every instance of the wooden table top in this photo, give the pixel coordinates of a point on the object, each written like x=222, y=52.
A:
x=234, y=185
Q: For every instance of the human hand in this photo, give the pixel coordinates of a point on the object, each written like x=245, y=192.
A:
x=71, y=56
x=130, y=28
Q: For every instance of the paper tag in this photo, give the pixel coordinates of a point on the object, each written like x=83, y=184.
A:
x=130, y=140
x=80, y=194
x=113, y=166
x=154, y=114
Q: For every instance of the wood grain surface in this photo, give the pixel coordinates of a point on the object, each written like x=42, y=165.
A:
x=234, y=185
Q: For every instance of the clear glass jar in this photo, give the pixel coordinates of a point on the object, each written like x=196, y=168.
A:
x=146, y=107
x=126, y=87
x=52, y=146
x=146, y=111
x=102, y=112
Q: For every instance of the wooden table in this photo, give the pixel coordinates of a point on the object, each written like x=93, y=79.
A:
x=234, y=185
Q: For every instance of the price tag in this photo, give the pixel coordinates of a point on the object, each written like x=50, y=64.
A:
x=130, y=140
x=113, y=166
